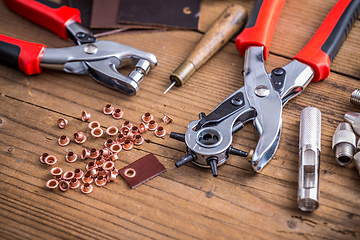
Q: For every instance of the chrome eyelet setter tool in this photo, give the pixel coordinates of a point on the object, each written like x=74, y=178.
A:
x=263, y=96
x=99, y=59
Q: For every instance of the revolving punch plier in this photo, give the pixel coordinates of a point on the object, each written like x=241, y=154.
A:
x=263, y=96
x=99, y=59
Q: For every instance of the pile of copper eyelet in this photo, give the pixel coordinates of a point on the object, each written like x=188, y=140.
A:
x=101, y=169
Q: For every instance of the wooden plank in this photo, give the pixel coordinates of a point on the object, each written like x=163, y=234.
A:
x=184, y=203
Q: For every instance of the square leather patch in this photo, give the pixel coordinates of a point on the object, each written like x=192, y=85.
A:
x=142, y=170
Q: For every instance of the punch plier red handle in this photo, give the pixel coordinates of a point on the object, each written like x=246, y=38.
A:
x=99, y=59
x=261, y=100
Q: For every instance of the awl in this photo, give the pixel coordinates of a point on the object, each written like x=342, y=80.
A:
x=223, y=29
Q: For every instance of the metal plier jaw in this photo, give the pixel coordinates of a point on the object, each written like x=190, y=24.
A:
x=209, y=139
x=100, y=60
x=267, y=94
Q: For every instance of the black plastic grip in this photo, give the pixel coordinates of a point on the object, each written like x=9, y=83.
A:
x=22, y=55
x=338, y=35
x=254, y=14
x=49, y=4
x=327, y=41
x=9, y=54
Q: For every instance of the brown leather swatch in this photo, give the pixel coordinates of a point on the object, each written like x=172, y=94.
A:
x=142, y=170
x=172, y=14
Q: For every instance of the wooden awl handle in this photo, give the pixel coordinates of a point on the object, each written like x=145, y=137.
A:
x=224, y=28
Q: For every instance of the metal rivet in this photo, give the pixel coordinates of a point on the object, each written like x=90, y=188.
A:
x=278, y=71
x=262, y=91
x=80, y=34
x=90, y=49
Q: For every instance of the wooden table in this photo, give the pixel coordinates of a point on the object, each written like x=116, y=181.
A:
x=188, y=202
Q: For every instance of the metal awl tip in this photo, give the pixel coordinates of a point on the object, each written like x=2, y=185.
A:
x=172, y=84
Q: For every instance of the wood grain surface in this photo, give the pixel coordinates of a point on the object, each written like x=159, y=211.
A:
x=188, y=202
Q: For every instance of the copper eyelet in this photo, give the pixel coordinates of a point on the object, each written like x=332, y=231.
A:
x=138, y=140
x=108, y=166
x=112, y=131
x=86, y=188
x=143, y=127
x=50, y=160
x=147, y=117
x=64, y=185
x=85, y=154
x=74, y=183
x=63, y=141
x=112, y=175
x=117, y=114
x=160, y=132
x=152, y=125
x=42, y=157
x=71, y=157
x=108, y=109
x=97, y=132
x=94, y=124
x=87, y=178
x=94, y=153
x=62, y=122
x=56, y=171
x=128, y=145
x=167, y=118
x=85, y=116
x=115, y=148
x=120, y=139
x=90, y=166
x=114, y=157
x=100, y=181
x=52, y=184
x=79, y=174
x=108, y=143
x=127, y=124
x=79, y=137
x=68, y=175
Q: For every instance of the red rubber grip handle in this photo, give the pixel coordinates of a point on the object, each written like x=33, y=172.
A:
x=261, y=26
x=47, y=14
x=25, y=56
x=327, y=41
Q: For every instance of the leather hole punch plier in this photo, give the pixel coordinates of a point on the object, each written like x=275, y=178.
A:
x=263, y=96
x=99, y=59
